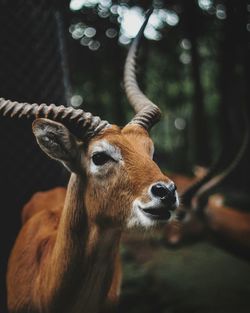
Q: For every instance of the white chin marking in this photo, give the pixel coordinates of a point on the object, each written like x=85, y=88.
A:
x=138, y=218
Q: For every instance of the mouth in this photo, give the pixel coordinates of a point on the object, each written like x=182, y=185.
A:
x=157, y=214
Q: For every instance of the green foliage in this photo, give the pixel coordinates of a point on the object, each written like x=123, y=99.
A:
x=196, y=278
x=180, y=70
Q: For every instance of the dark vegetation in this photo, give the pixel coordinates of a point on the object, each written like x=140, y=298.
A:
x=197, y=71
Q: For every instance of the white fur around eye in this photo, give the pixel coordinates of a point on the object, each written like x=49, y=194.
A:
x=111, y=150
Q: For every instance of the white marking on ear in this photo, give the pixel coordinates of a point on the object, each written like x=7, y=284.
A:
x=111, y=150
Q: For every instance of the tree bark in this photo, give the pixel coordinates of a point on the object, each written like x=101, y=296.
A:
x=200, y=144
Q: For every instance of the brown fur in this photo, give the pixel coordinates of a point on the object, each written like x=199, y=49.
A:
x=232, y=224
x=226, y=221
x=66, y=256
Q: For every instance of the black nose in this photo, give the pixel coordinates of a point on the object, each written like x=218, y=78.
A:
x=164, y=192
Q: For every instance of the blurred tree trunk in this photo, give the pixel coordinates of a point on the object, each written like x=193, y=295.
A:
x=243, y=173
x=227, y=82
x=200, y=144
x=246, y=168
x=246, y=57
x=234, y=71
x=117, y=94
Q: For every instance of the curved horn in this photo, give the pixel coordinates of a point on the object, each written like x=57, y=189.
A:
x=191, y=197
x=219, y=178
x=85, y=124
x=188, y=194
x=147, y=112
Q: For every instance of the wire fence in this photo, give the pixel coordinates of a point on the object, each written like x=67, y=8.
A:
x=33, y=69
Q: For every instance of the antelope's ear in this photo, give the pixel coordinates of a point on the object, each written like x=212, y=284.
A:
x=57, y=142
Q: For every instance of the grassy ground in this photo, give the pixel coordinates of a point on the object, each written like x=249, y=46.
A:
x=196, y=278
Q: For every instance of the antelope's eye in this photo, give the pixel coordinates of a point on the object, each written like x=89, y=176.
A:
x=101, y=158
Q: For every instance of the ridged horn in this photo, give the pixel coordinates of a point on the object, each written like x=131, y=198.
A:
x=85, y=125
x=147, y=113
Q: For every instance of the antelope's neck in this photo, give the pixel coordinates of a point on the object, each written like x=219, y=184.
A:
x=84, y=256
x=102, y=248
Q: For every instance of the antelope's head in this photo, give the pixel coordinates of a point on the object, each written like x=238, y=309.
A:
x=123, y=184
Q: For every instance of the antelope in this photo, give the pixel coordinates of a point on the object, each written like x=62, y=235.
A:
x=200, y=214
x=66, y=256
